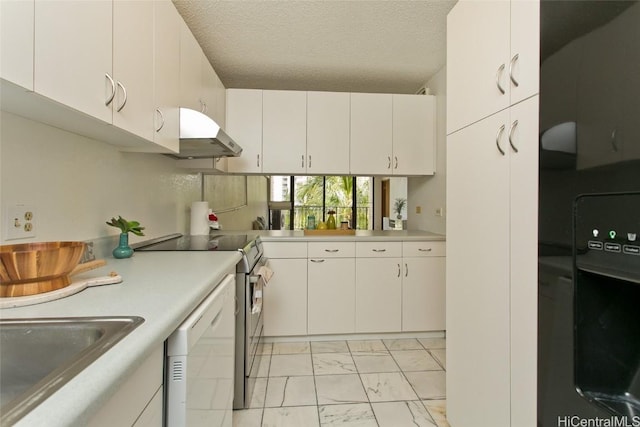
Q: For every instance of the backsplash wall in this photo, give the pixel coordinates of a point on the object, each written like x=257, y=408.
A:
x=76, y=184
x=430, y=192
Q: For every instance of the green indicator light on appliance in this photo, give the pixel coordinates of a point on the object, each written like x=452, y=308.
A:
x=612, y=234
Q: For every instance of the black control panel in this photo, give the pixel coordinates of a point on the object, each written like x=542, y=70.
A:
x=607, y=234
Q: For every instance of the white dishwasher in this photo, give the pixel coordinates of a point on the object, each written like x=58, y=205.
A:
x=200, y=363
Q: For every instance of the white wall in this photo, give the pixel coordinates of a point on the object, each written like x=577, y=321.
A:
x=429, y=192
x=76, y=184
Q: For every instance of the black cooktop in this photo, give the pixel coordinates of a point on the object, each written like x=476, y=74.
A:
x=230, y=242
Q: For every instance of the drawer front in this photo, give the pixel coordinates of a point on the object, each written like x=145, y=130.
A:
x=285, y=249
x=410, y=249
x=332, y=249
x=378, y=249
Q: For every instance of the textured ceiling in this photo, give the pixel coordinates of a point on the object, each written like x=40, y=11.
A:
x=347, y=45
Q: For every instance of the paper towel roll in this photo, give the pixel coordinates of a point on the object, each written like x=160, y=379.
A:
x=199, y=218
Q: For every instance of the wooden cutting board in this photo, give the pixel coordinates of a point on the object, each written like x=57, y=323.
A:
x=337, y=232
x=73, y=288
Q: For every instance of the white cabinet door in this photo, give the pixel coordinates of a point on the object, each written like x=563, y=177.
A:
x=210, y=91
x=73, y=54
x=477, y=271
x=244, y=125
x=284, y=131
x=524, y=71
x=16, y=42
x=285, y=298
x=371, y=134
x=378, y=294
x=331, y=298
x=477, y=61
x=190, y=70
x=524, y=261
x=133, y=106
x=328, y=127
x=414, y=134
x=130, y=401
x=423, y=294
x=166, y=67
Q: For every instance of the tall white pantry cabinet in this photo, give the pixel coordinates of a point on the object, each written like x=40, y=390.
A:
x=492, y=188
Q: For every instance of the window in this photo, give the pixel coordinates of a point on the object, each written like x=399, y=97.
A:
x=350, y=197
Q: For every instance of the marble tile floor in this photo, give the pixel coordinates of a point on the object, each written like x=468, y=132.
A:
x=364, y=383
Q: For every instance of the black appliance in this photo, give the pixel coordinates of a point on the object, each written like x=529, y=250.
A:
x=589, y=213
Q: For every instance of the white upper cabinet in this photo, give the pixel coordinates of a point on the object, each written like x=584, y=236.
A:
x=414, y=134
x=371, y=134
x=284, y=131
x=16, y=42
x=244, y=126
x=524, y=62
x=190, y=70
x=501, y=68
x=133, y=106
x=392, y=134
x=166, y=67
x=328, y=127
x=213, y=99
x=331, y=133
x=73, y=55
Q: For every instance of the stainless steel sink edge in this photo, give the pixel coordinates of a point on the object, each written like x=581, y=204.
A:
x=114, y=329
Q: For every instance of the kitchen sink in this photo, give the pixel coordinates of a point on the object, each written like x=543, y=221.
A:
x=38, y=356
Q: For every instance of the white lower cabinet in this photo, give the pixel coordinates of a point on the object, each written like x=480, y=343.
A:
x=378, y=294
x=285, y=298
x=423, y=294
x=342, y=287
x=139, y=400
x=331, y=295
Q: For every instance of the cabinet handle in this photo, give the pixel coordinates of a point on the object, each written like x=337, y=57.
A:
x=379, y=250
x=614, y=140
x=399, y=270
x=113, y=89
x=258, y=160
x=316, y=260
x=406, y=270
x=498, y=135
x=124, y=92
x=511, y=130
x=396, y=158
x=302, y=161
x=498, y=75
x=424, y=250
x=332, y=250
x=388, y=162
x=237, y=310
x=309, y=160
x=161, y=119
x=511, y=64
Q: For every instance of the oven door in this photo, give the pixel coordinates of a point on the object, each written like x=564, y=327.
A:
x=254, y=310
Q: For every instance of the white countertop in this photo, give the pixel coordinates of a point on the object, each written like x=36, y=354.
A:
x=361, y=235
x=161, y=287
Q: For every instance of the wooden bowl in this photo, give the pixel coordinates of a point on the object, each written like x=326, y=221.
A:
x=35, y=268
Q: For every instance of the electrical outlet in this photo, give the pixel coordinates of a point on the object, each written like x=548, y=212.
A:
x=439, y=212
x=418, y=209
x=20, y=222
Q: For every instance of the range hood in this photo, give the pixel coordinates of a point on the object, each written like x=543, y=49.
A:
x=202, y=138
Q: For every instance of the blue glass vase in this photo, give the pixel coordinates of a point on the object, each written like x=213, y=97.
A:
x=123, y=250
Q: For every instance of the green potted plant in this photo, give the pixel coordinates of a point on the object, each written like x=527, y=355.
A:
x=398, y=206
x=124, y=250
